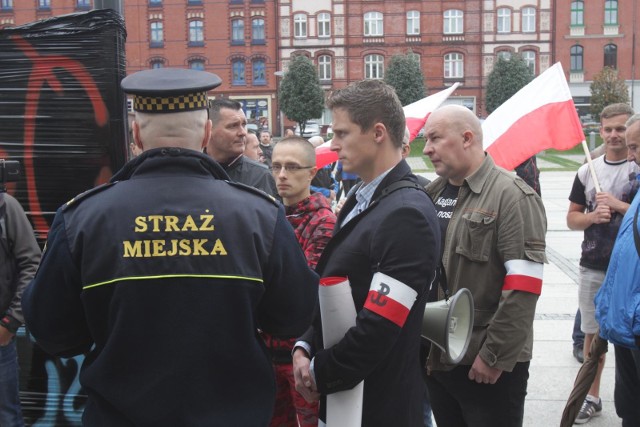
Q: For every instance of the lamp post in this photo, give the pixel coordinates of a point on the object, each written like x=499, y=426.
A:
x=279, y=74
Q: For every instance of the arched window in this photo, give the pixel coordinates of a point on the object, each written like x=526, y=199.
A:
x=611, y=56
x=413, y=23
x=324, y=67
x=504, y=54
x=504, y=20
x=576, y=53
x=157, y=63
x=529, y=20
x=577, y=13
x=373, y=24
x=238, y=77
x=324, y=25
x=257, y=31
x=196, y=64
x=529, y=56
x=259, y=76
x=453, y=66
x=453, y=21
x=237, y=31
x=196, y=33
x=373, y=67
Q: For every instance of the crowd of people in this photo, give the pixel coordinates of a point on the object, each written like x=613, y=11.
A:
x=205, y=311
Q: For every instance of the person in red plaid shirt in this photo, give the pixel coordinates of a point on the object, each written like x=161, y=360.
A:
x=293, y=167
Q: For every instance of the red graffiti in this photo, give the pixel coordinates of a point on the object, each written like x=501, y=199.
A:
x=42, y=74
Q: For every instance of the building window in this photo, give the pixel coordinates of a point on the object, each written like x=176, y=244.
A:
x=611, y=56
x=577, y=13
x=453, y=21
x=529, y=57
x=413, y=22
x=157, y=34
x=415, y=56
x=80, y=4
x=259, y=74
x=504, y=54
x=576, y=58
x=196, y=33
x=238, y=73
x=257, y=31
x=44, y=4
x=155, y=2
x=196, y=64
x=611, y=12
x=504, y=20
x=6, y=4
x=300, y=25
x=157, y=63
x=373, y=67
x=324, y=25
x=237, y=31
x=529, y=20
x=324, y=67
x=453, y=66
x=373, y=25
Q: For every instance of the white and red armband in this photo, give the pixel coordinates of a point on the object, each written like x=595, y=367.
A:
x=523, y=275
x=390, y=298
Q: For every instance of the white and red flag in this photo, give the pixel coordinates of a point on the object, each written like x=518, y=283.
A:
x=415, y=114
x=541, y=115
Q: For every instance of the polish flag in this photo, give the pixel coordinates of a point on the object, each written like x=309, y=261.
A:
x=541, y=115
x=415, y=114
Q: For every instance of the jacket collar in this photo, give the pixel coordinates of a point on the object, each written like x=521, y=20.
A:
x=475, y=181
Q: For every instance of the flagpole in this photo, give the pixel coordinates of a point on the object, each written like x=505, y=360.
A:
x=590, y=163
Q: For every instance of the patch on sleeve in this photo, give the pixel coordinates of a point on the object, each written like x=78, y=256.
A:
x=390, y=298
x=523, y=275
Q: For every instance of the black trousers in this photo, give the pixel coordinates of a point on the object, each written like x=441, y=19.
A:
x=626, y=393
x=459, y=402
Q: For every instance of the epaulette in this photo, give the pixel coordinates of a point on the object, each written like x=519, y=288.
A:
x=526, y=189
x=254, y=190
x=77, y=199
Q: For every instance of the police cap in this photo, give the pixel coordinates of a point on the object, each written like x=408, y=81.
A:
x=170, y=90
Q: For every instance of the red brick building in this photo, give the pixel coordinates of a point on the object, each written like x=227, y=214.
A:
x=590, y=35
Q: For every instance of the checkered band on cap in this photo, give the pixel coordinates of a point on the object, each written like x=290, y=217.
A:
x=170, y=104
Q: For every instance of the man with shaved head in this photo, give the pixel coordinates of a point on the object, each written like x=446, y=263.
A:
x=493, y=228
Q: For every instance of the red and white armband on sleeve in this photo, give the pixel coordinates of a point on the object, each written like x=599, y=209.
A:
x=390, y=298
x=523, y=275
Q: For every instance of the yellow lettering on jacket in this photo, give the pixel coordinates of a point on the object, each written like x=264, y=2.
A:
x=174, y=247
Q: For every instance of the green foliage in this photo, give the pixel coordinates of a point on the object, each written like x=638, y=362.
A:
x=607, y=88
x=300, y=95
x=507, y=77
x=405, y=76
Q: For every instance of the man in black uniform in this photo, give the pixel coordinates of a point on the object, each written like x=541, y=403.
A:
x=165, y=275
x=227, y=144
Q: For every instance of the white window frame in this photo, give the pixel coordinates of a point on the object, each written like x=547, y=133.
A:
x=300, y=25
x=528, y=20
x=453, y=65
x=374, y=67
x=156, y=28
x=324, y=25
x=503, y=18
x=373, y=24
x=453, y=21
x=413, y=22
x=529, y=56
x=324, y=67
x=196, y=32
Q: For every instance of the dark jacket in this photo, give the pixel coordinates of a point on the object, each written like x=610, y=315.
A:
x=19, y=258
x=164, y=276
x=254, y=174
x=399, y=236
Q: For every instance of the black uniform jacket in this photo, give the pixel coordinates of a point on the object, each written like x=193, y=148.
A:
x=398, y=235
x=253, y=174
x=164, y=277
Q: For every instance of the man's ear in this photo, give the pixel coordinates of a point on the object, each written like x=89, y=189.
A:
x=136, y=135
x=467, y=138
x=312, y=173
x=207, y=134
x=379, y=131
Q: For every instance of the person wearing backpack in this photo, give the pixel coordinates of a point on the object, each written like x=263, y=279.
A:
x=617, y=302
x=19, y=258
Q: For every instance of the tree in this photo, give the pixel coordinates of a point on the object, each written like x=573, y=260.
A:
x=405, y=76
x=507, y=77
x=607, y=88
x=300, y=95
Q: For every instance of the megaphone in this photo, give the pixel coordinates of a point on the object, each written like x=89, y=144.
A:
x=448, y=324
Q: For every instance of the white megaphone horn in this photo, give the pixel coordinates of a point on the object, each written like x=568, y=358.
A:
x=448, y=324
